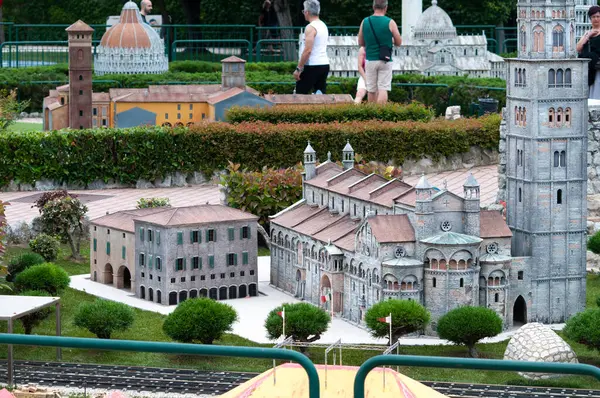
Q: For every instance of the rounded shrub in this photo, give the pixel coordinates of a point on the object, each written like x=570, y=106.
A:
x=199, y=319
x=46, y=246
x=302, y=320
x=21, y=263
x=598, y=301
x=104, y=317
x=594, y=243
x=34, y=319
x=47, y=277
x=467, y=325
x=407, y=317
x=584, y=328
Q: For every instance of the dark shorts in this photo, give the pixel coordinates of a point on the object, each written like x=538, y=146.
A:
x=313, y=78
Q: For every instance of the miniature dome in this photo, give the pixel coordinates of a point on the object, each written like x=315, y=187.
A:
x=131, y=46
x=434, y=23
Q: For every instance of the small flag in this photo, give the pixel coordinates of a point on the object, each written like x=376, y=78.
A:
x=326, y=297
x=282, y=314
x=387, y=319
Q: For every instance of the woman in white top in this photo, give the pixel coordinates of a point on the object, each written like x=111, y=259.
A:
x=313, y=66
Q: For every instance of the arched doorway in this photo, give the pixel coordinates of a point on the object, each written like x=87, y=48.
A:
x=213, y=293
x=252, y=290
x=519, y=312
x=193, y=293
x=326, y=292
x=232, y=292
x=158, y=298
x=108, y=274
x=142, y=292
x=150, y=294
x=173, y=298
x=222, y=293
x=243, y=291
x=203, y=293
x=182, y=296
x=123, y=278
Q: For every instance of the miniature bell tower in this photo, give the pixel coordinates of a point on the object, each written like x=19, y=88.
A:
x=80, y=75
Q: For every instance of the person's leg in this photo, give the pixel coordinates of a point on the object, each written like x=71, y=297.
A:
x=361, y=91
x=384, y=82
x=371, y=72
x=321, y=73
x=307, y=80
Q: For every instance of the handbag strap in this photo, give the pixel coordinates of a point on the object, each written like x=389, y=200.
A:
x=373, y=30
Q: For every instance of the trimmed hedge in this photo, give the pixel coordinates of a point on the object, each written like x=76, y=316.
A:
x=460, y=91
x=83, y=156
x=331, y=113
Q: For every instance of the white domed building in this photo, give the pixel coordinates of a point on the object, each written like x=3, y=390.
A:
x=131, y=46
x=433, y=48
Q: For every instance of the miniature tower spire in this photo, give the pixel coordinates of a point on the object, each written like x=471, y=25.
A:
x=424, y=209
x=472, y=216
x=348, y=156
x=310, y=170
x=80, y=75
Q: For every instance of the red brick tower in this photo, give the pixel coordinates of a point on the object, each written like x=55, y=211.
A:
x=80, y=75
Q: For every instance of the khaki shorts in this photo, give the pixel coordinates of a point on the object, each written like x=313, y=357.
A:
x=379, y=76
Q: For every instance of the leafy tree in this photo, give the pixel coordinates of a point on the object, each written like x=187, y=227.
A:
x=46, y=246
x=3, y=286
x=584, y=328
x=200, y=319
x=63, y=215
x=467, y=325
x=104, y=317
x=144, y=203
x=34, y=319
x=21, y=263
x=302, y=320
x=407, y=317
x=47, y=277
x=10, y=108
x=594, y=243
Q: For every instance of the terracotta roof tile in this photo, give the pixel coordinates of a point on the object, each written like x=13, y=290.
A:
x=194, y=215
x=492, y=225
x=123, y=220
x=223, y=95
x=337, y=231
x=392, y=229
x=233, y=58
x=79, y=26
x=293, y=217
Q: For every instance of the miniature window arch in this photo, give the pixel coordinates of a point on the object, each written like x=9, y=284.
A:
x=517, y=116
x=538, y=39
x=524, y=82
x=559, y=78
x=80, y=55
x=568, y=117
x=562, y=14
x=559, y=197
x=553, y=13
x=434, y=282
x=567, y=77
x=496, y=297
x=80, y=77
x=520, y=195
x=532, y=13
x=523, y=38
x=166, y=124
x=551, y=117
x=559, y=114
x=516, y=76
x=558, y=39
x=551, y=78
x=462, y=282
x=556, y=158
x=524, y=117
x=537, y=14
x=520, y=77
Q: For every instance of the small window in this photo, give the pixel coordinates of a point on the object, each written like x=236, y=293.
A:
x=242, y=273
x=104, y=122
x=80, y=92
x=251, y=272
x=123, y=252
x=191, y=107
x=195, y=236
x=150, y=276
x=202, y=277
x=182, y=279
x=434, y=281
x=179, y=116
x=211, y=261
x=563, y=159
x=166, y=116
x=211, y=235
x=246, y=232
x=232, y=259
x=193, y=278
x=462, y=282
x=142, y=259
x=80, y=77
x=232, y=274
x=196, y=262
x=178, y=107
x=158, y=264
x=191, y=116
x=520, y=275
x=143, y=274
x=496, y=297
x=179, y=264
x=123, y=235
x=212, y=276
x=559, y=197
x=150, y=235
x=231, y=233
x=80, y=113
x=222, y=275
x=95, y=244
x=245, y=258
x=95, y=111
x=203, y=116
x=180, y=238
x=172, y=280
x=520, y=196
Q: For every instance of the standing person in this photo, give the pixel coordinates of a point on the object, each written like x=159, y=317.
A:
x=145, y=9
x=268, y=18
x=361, y=87
x=589, y=47
x=375, y=32
x=313, y=66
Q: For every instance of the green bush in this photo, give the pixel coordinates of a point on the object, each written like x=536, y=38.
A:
x=47, y=277
x=407, y=317
x=200, y=319
x=83, y=156
x=467, y=325
x=584, y=328
x=21, y=263
x=594, y=243
x=331, y=113
x=104, y=317
x=34, y=319
x=302, y=320
x=144, y=203
x=46, y=246
x=598, y=301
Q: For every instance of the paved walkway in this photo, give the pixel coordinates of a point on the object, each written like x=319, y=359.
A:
x=112, y=200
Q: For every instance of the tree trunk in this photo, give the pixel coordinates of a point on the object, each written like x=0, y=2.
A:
x=284, y=18
x=264, y=234
x=473, y=352
x=74, y=252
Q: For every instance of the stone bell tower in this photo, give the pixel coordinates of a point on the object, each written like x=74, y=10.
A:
x=80, y=75
x=546, y=170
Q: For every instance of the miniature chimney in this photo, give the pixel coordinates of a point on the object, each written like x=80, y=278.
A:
x=233, y=73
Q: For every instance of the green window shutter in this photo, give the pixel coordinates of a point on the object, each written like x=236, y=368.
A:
x=211, y=261
x=184, y=263
x=234, y=258
x=207, y=235
x=200, y=262
x=123, y=252
x=249, y=232
x=95, y=244
x=107, y=247
x=142, y=234
x=231, y=234
x=191, y=236
x=245, y=258
x=199, y=236
x=175, y=264
x=150, y=258
x=158, y=237
x=180, y=238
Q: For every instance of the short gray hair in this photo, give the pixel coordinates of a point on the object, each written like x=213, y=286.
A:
x=380, y=4
x=313, y=7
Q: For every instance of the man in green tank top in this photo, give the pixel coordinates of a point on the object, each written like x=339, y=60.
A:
x=377, y=31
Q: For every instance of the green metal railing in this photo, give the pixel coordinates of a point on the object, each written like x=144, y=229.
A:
x=171, y=348
x=211, y=50
x=467, y=363
x=15, y=54
x=276, y=50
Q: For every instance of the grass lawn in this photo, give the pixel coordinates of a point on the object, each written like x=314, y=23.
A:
x=20, y=126
x=148, y=327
